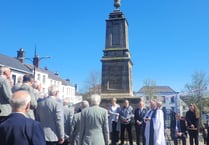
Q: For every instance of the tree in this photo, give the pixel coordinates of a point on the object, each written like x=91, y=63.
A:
x=93, y=83
x=198, y=88
x=149, y=89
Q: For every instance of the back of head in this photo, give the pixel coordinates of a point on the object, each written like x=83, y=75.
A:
x=20, y=79
x=28, y=78
x=3, y=69
x=20, y=100
x=159, y=104
x=53, y=90
x=36, y=84
x=95, y=99
x=84, y=104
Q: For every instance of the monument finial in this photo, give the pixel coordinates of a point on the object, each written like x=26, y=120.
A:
x=117, y=4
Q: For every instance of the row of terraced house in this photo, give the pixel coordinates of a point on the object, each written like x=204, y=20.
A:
x=45, y=76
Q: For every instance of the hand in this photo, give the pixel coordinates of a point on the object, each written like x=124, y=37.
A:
x=61, y=141
x=147, y=119
x=178, y=133
x=138, y=122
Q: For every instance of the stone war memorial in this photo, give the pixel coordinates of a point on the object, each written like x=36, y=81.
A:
x=116, y=61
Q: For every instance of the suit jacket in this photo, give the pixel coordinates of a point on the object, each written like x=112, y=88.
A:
x=68, y=117
x=126, y=113
x=139, y=116
x=181, y=129
x=75, y=129
x=5, y=96
x=33, y=102
x=17, y=129
x=50, y=114
x=94, y=126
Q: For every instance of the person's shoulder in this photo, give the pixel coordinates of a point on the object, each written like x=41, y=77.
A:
x=2, y=78
x=76, y=115
x=101, y=109
x=130, y=107
x=137, y=109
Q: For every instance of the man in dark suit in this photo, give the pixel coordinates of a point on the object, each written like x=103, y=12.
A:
x=17, y=129
x=139, y=122
x=178, y=129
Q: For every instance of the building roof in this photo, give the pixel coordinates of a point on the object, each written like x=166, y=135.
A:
x=16, y=65
x=157, y=89
x=13, y=63
x=51, y=75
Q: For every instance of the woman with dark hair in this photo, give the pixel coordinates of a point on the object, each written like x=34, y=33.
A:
x=192, y=122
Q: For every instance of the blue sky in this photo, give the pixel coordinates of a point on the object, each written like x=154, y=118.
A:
x=168, y=39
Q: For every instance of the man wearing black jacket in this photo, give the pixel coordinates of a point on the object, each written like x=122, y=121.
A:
x=178, y=129
x=139, y=122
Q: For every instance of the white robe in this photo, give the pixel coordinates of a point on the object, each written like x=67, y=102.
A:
x=158, y=126
x=159, y=136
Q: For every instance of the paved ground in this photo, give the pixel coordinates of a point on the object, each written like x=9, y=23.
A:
x=170, y=142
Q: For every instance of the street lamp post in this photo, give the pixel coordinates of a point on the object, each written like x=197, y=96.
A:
x=36, y=61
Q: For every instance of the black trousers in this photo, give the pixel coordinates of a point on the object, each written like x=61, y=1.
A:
x=193, y=137
x=128, y=128
x=140, y=134
x=183, y=138
x=114, y=133
x=52, y=143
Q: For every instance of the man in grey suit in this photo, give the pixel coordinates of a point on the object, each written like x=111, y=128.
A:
x=5, y=92
x=75, y=126
x=28, y=80
x=68, y=117
x=50, y=114
x=94, y=128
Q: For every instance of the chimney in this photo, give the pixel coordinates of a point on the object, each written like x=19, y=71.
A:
x=56, y=73
x=45, y=68
x=20, y=55
x=68, y=81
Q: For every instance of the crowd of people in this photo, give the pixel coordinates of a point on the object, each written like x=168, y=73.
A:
x=27, y=117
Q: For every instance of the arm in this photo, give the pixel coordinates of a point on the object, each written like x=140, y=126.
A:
x=38, y=134
x=7, y=90
x=60, y=121
x=106, y=128
x=82, y=127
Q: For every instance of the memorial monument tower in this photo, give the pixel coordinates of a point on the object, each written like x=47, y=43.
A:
x=116, y=59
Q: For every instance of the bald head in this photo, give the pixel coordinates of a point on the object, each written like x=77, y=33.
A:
x=20, y=101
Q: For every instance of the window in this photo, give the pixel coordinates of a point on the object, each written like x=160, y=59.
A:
x=38, y=77
x=44, y=79
x=172, y=99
